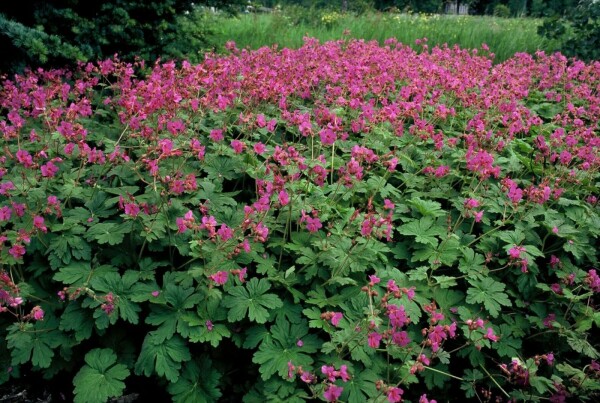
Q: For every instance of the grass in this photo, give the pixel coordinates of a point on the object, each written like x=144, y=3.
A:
x=504, y=36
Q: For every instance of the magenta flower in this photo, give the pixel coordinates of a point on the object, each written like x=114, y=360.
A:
x=155, y=293
x=209, y=325
x=388, y=205
x=343, y=373
x=329, y=372
x=49, y=169
x=490, y=335
x=225, y=233
x=327, y=136
x=17, y=251
x=5, y=213
x=478, y=216
x=313, y=224
x=132, y=209
x=238, y=146
x=373, y=279
x=471, y=203
x=284, y=198
x=400, y=338
x=259, y=148
x=515, y=252
x=38, y=222
x=37, y=313
x=333, y=393
x=394, y=394
x=216, y=135
x=335, y=319
x=219, y=277
x=374, y=339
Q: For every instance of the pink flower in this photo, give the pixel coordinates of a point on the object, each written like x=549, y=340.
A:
x=238, y=146
x=478, y=216
x=38, y=222
x=260, y=120
x=400, y=338
x=299, y=343
x=329, y=372
x=132, y=209
x=49, y=169
x=327, y=136
x=216, y=135
x=374, y=339
x=17, y=251
x=181, y=226
x=373, y=279
x=423, y=399
x=490, y=335
x=259, y=148
x=335, y=319
x=471, y=203
x=515, y=252
x=24, y=158
x=155, y=293
x=284, y=198
x=37, y=313
x=209, y=325
x=5, y=213
x=343, y=373
x=262, y=232
x=225, y=233
x=388, y=205
x=333, y=393
x=548, y=320
x=394, y=394
x=442, y=171
x=219, y=277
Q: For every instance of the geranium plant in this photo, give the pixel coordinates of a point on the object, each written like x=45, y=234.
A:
x=341, y=222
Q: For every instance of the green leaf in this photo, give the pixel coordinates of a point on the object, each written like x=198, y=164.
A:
x=252, y=301
x=169, y=317
x=110, y=233
x=424, y=230
x=101, y=378
x=427, y=207
x=163, y=357
x=490, y=293
x=274, y=355
x=122, y=288
x=361, y=386
x=197, y=383
x=582, y=346
x=35, y=343
x=77, y=319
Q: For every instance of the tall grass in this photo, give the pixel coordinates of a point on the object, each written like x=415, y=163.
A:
x=504, y=36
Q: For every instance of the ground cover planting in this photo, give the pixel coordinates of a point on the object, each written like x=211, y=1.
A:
x=347, y=221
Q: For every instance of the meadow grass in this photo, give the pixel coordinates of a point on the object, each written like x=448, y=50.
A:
x=504, y=36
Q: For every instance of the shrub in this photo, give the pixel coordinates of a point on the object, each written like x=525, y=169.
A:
x=57, y=32
x=502, y=11
x=343, y=221
x=578, y=32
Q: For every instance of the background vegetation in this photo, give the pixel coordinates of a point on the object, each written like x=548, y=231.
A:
x=58, y=32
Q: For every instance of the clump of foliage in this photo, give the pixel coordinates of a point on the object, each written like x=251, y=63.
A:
x=57, y=32
x=578, y=31
x=343, y=222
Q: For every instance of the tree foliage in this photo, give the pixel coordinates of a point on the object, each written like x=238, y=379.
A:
x=57, y=32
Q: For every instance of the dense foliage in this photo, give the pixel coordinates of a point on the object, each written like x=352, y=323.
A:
x=578, y=32
x=56, y=32
x=345, y=221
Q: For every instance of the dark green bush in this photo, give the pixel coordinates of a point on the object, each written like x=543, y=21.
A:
x=578, y=32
